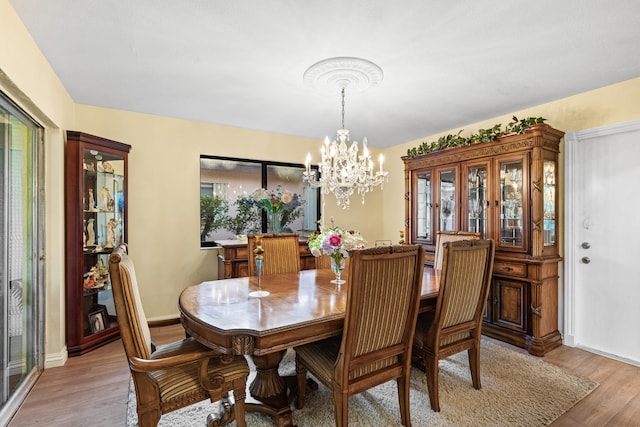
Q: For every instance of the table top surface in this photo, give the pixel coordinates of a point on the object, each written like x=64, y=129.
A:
x=295, y=300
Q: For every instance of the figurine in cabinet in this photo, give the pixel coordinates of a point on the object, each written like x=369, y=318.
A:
x=107, y=200
x=111, y=233
x=92, y=201
x=91, y=233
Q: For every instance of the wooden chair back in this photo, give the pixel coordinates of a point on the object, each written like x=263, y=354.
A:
x=456, y=323
x=382, y=306
x=134, y=329
x=450, y=236
x=281, y=253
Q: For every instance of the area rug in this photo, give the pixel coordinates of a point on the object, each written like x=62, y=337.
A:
x=517, y=390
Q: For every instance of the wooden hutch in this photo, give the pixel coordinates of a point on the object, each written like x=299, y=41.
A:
x=507, y=191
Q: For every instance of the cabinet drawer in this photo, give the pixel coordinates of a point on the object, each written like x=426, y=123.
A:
x=510, y=268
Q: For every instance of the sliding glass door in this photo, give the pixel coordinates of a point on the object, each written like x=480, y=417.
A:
x=21, y=243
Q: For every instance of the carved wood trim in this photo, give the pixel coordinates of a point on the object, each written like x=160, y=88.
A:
x=242, y=344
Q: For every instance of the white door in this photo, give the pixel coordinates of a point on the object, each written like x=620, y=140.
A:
x=602, y=252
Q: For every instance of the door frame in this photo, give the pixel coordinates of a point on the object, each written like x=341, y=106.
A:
x=572, y=223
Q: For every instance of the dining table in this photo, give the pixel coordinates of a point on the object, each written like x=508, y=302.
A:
x=300, y=308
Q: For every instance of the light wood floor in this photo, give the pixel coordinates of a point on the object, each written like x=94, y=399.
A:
x=92, y=390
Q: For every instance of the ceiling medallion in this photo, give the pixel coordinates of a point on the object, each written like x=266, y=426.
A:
x=336, y=73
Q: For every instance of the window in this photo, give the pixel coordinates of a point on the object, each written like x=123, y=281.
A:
x=227, y=206
x=21, y=254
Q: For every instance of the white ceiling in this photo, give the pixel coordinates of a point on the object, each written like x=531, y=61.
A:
x=240, y=62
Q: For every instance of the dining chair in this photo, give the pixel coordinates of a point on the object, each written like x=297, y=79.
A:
x=455, y=324
x=281, y=253
x=380, y=317
x=175, y=375
x=450, y=236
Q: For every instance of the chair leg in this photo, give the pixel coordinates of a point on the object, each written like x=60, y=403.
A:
x=404, y=383
x=341, y=407
x=301, y=375
x=474, y=364
x=239, y=395
x=431, y=369
x=149, y=418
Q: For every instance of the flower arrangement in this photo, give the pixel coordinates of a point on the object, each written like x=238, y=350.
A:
x=282, y=206
x=335, y=242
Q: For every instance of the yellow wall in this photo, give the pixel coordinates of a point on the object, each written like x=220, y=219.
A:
x=27, y=78
x=164, y=194
x=612, y=104
x=164, y=172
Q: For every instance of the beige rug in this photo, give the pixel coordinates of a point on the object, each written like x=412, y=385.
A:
x=517, y=390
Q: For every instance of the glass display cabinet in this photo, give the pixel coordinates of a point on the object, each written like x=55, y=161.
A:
x=96, y=222
x=506, y=191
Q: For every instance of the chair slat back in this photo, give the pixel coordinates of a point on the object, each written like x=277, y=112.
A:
x=450, y=236
x=382, y=304
x=132, y=321
x=464, y=286
x=281, y=253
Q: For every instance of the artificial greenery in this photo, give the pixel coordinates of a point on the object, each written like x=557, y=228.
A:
x=213, y=214
x=483, y=135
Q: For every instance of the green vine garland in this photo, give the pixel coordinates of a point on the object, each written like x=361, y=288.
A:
x=483, y=135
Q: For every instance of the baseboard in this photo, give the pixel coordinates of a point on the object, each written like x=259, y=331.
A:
x=609, y=355
x=54, y=360
x=568, y=340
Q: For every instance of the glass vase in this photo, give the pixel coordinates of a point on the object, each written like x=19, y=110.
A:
x=337, y=266
x=274, y=221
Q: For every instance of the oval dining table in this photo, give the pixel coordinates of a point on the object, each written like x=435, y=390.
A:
x=301, y=307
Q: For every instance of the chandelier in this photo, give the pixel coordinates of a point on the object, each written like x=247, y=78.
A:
x=343, y=169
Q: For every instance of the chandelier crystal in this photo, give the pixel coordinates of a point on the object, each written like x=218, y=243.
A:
x=343, y=169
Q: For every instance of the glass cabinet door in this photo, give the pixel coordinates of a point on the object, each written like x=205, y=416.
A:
x=447, y=209
x=477, y=200
x=103, y=229
x=512, y=204
x=549, y=202
x=424, y=207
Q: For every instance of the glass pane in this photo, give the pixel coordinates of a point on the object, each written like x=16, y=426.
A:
x=224, y=213
x=229, y=209
x=103, y=229
x=300, y=212
x=477, y=201
x=19, y=304
x=549, y=203
x=448, y=200
x=511, y=204
x=424, y=208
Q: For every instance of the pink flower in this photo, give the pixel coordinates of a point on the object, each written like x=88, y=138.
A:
x=335, y=240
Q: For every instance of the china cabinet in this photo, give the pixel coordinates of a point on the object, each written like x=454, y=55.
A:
x=506, y=191
x=96, y=222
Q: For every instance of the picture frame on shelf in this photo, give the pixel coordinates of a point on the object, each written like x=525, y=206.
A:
x=98, y=319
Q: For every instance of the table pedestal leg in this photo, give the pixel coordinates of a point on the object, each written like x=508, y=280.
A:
x=270, y=390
